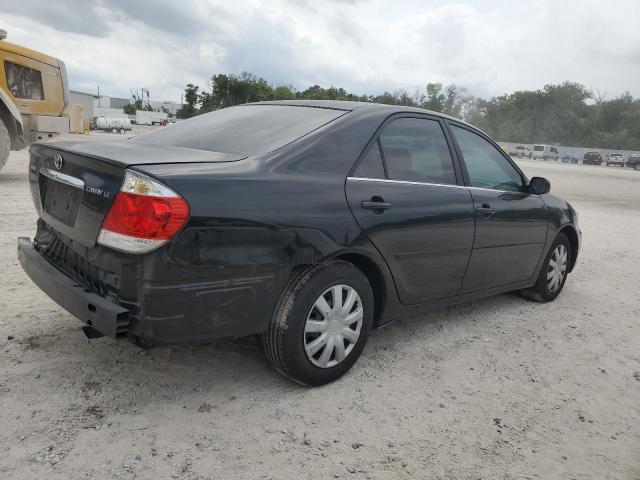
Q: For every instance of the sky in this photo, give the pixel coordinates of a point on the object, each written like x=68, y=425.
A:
x=490, y=47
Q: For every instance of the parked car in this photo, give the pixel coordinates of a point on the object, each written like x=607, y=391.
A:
x=521, y=151
x=569, y=159
x=615, y=159
x=633, y=161
x=308, y=222
x=545, y=152
x=592, y=158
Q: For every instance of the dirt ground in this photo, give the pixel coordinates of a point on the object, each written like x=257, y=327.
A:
x=497, y=389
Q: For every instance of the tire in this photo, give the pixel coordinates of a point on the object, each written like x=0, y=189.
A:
x=5, y=144
x=636, y=166
x=114, y=130
x=285, y=340
x=121, y=131
x=541, y=291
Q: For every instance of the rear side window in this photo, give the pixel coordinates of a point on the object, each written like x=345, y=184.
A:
x=415, y=149
x=486, y=166
x=538, y=148
x=23, y=82
x=247, y=129
x=371, y=164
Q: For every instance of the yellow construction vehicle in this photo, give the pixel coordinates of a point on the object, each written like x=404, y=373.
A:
x=34, y=94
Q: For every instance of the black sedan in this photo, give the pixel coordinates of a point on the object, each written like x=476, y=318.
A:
x=308, y=222
x=592, y=158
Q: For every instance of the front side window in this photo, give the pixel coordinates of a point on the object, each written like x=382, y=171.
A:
x=24, y=82
x=415, y=149
x=486, y=166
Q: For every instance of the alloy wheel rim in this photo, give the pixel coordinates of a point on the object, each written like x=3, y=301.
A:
x=557, y=268
x=333, y=326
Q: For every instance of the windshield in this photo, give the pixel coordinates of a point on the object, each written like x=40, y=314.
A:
x=245, y=129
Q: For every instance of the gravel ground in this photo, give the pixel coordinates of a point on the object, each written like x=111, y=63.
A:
x=497, y=389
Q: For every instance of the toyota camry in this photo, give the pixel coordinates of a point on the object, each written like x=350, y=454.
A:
x=307, y=222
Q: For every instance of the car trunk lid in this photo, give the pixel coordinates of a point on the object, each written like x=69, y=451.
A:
x=73, y=184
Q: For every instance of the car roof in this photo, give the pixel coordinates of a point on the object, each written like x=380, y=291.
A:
x=351, y=106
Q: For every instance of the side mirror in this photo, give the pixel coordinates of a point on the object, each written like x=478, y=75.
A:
x=539, y=186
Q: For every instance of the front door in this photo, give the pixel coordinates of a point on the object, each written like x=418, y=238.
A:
x=511, y=225
x=405, y=197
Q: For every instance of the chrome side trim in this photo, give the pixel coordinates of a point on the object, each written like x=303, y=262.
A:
x=364, y=179
x=405, y=182
x=62, y=178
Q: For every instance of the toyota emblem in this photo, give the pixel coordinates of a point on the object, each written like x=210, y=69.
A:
x=58, y=161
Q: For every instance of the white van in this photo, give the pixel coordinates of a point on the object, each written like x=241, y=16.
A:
x=545, y=152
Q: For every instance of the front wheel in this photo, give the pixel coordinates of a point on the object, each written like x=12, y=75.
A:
x=321, y=323
x=553, y=273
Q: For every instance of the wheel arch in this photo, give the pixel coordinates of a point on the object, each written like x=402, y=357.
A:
x=375, y=276
x=572, y=235
x=10, y=116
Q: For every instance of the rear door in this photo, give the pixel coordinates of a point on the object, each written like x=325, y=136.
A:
x=511, y=225
x=406, y=195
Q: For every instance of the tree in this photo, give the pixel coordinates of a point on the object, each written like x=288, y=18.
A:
x=566, y=113
x=191, y=98
x=129, y=109
x=451, y=100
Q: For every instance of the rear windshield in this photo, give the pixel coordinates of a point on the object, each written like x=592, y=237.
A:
x=247, y=129
x=538, y=148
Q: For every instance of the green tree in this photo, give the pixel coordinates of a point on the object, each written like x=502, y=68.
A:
x=566, y=113
x=191, y=99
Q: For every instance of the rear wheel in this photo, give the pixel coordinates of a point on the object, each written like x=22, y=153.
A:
x=114, y=130
x=321, y=323
x=636, y=166
x=553, y=273
x=5, y=144
x=122, y=130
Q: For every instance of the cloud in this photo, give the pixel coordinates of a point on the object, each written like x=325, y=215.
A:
x=73, y=16
x=490, y=47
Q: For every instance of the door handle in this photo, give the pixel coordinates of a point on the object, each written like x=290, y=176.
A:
x=376, y=205
x=485, y=209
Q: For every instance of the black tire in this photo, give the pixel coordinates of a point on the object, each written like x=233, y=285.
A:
x=540, y=291
x=636, y=166
x=5, y=144
x=284, y=339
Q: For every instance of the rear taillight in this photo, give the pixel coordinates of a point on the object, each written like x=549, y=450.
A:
x=144, y=215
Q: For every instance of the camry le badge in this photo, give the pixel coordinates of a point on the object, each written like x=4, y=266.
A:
x=58, y=161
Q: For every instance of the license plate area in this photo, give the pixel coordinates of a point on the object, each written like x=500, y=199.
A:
x=61, y=196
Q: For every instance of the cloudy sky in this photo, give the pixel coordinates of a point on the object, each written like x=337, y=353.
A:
x=367, y=46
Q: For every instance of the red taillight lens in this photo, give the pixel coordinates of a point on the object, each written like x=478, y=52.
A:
x=142, y=216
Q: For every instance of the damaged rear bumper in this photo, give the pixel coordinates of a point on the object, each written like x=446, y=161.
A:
x=95, y=311
x=165, y=302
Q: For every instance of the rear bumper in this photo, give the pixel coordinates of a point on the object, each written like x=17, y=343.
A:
x=103, y=315
x=169, y=303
